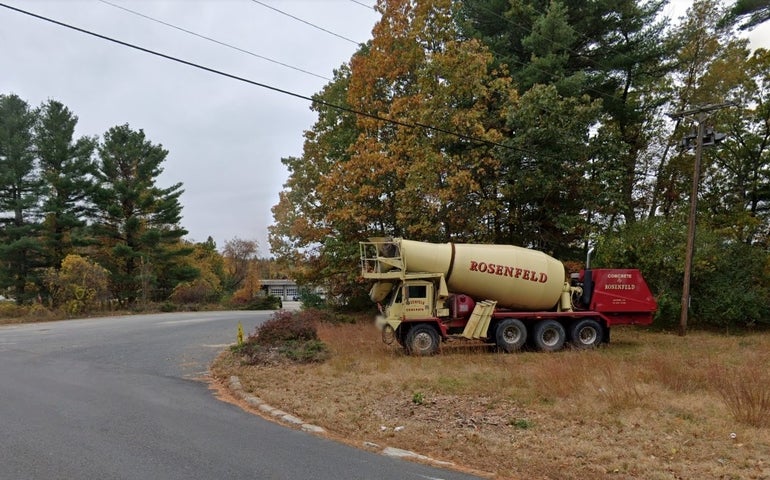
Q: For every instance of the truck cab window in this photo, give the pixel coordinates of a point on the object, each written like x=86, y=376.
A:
x=417, y=291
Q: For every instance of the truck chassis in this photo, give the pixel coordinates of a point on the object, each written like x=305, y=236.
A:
x=418, y=310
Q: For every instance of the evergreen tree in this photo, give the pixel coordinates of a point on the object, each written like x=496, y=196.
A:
x=750, y=12
x=20, y=189
x=614, y=51
x=137, y=225
x=67, y=170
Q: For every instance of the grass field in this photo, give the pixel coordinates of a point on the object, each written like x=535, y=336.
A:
x=650, y=405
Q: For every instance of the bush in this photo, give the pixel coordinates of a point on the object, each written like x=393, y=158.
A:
x=197, y=291
x=79, y=286
x=286, y=336
x=746, y=393
x=168, y=307
x=285, y=327
x=260, y=302
x=11, y=310
x=310, y=299
x=268, y=302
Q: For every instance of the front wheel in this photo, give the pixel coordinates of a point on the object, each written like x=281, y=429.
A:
x=510, y=335
x=549, y=336
x=586, y=333
x=422, y=340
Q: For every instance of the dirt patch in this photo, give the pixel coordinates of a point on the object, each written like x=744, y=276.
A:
x=648, y=406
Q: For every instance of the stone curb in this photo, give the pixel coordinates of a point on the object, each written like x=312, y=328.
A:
x=237, y=389
x=255, y=402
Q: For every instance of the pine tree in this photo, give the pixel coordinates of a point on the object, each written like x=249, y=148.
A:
x=67, y=169
x=137, y=225
x=20, y=189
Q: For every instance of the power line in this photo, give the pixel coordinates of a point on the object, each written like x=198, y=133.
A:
x=364, y=5
x=233, y=47
x=412, y=125
x=306, y=22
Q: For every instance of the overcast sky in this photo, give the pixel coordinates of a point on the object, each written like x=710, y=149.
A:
x=225, y=138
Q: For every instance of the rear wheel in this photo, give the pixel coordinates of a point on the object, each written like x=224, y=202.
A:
x=422, y=340
x=549, y=336
x=510, y=335
x=586, y=333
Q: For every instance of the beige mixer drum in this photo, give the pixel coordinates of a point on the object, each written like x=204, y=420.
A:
x=516, y=277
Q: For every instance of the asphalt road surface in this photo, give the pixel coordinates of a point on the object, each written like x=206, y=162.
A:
x=122, y=398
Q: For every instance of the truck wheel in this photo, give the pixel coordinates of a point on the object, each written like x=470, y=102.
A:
x=510, y=335
x=549, y=336
x=422, y=340
x=586, y=333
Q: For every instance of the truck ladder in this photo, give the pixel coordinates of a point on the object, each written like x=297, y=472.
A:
x=478, y=324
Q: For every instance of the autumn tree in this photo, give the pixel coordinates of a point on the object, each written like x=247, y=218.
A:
x=67, y=170
x=301, y=212
x=209, y=263
x=238, y=254
x=362, y=175
x=21, y=252
x=434, y=183
x=137, y=223
x=301, y=216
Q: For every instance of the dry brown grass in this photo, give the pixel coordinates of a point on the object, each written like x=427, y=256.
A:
x=651, y=405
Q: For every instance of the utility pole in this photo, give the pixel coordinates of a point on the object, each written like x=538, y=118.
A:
x=700, y=114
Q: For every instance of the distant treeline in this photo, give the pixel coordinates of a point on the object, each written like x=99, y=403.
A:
x=83, y=221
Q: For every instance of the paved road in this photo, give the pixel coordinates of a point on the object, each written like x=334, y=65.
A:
x=120, y=398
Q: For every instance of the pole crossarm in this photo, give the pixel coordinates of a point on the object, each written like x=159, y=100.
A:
x=702, y=109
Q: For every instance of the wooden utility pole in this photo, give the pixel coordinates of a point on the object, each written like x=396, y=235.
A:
x=700, y=114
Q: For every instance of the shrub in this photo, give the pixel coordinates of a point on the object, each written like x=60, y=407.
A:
x=746, y=393
x=11, y=310
x=321, y=316
x=79, y=286
x=267, y=302
x=168, y=307
x=286, y=336
x=285, y=327
x=259, y=302
x=311, y=351
x=310, y=299
x=197, y=291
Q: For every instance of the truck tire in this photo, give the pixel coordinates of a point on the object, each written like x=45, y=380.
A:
x=422, y=340
x=510, y=335
x=586, y=333
x=549, y=336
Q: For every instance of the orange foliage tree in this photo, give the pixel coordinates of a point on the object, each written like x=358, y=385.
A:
x=362, y=176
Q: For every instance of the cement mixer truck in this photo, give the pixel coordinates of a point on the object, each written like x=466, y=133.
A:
x=500, y=295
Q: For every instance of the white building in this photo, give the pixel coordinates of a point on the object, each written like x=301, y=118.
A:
x=285, y=289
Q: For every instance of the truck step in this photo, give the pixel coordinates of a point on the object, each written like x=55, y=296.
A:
x=478, y=324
